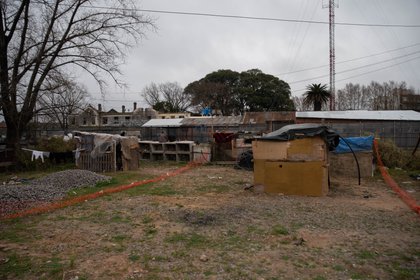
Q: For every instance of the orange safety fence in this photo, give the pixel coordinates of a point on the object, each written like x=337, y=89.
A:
x=71, y=201
x=409, y=200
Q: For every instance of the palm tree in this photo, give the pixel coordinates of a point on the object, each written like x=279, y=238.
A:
x=317, y=95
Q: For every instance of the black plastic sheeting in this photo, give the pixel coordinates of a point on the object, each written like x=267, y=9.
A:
x=298, y=131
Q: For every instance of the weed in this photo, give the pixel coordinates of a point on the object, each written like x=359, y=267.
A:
x=152, y=189
x=53, y=266
x=207, y=273
x=179, y=254
x=338, y=267
x=119, y=238
x=189, y=239
x=357, y=276
x=254, y=229
x=150, y=230
x=365, y=255
x=147, y=219
x=15, y=265
x=17, y=232
x=214, y=188
x=120, y=219
x=133, y=257
x=279, y=230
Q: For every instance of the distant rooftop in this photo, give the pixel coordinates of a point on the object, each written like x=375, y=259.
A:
x=163, y=123
x=401, y=115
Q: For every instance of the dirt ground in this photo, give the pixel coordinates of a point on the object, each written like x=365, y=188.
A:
x=202, y=224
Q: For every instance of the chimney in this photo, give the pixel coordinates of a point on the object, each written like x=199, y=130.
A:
x=99, y=107
x=123, y=109
x=134, y=106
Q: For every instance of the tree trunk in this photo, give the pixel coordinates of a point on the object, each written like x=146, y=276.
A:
x=317, y=106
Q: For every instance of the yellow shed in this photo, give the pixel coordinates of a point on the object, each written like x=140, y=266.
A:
x=294, y=159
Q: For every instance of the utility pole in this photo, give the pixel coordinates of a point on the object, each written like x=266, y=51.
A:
x=331, y=6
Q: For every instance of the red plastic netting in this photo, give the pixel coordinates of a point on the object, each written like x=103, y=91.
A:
x=64, y=203
x=409, y=200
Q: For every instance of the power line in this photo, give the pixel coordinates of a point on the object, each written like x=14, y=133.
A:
x=349, y=60
x=357, y=68
x=255, y=18
x=369, y=72
x=379, y=69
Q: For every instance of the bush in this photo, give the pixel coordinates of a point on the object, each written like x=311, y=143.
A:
x=56, y=144
x=53, y=144
x=393, y=157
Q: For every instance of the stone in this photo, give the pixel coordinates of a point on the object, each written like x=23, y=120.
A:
x=204, y=258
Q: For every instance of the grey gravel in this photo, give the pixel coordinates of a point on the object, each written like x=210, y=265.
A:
x=51, y=187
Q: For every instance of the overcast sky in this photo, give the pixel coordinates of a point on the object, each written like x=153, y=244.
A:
x=186, y=48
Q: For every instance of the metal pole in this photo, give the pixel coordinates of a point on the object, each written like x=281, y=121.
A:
x=332, y=54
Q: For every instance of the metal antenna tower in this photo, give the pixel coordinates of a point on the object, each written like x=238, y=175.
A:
x=331, y=6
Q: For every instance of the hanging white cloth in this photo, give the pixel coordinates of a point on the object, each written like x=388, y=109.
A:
x=38, y=154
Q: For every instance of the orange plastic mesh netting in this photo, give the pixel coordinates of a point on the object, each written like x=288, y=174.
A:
x=64, y=203
x=409, y=200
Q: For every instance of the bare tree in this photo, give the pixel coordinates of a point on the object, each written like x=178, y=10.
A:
x=166, y=97
x=42, y=39
x=63, y=99
x=300, y=105
x=151, y=94
x=375, y=96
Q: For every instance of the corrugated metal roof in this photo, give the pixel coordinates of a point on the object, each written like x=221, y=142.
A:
x=401, y=115
x=213, y=121
x=163, y=123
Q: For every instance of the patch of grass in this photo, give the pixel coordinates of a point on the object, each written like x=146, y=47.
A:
x=254, y=229
x=120, y=219
x=404, y=268
x=53, y=267
x=153, y=189
x=279, y=230
x=17, y=232
x=214, y=188
x=179, y=254
x=147, y=220
x=319, y=277
x=233, y=240
x=16, y=266
x=189, y=239
x=95, y=217
x=160, y=258
x=357, y=276
x=150, y=231
x=338, y=267
x=405, y=273
x=133, y=257
x=208, y=273
x=366, y=255
x=120, y=238
x=118, y=178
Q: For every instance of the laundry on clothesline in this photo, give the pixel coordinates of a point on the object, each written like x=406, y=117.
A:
x=37, y=154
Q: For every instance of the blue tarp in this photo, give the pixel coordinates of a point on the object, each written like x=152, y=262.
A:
x=358, y=144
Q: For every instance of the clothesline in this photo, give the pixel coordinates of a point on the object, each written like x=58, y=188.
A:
x=37, y=154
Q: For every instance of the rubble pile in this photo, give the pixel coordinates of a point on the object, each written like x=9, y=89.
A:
x=17, y=193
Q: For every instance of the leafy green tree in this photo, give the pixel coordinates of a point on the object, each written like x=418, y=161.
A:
x=264, y=92
x=316, y=94
x=217, y=90
x=234, y=93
